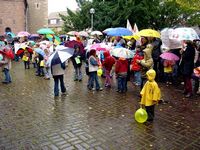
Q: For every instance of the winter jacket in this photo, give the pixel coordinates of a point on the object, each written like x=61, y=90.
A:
x=187, y=62
x=147, y=62
x=6, y=63
x=109, y=61
x=121, y=67
x=93, y=64
x=134, y=64
x=57, y=70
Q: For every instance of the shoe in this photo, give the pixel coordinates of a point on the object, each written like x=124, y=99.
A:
x=64, y=93
x=75, y=79
x=100, y=89
x=5, y=82
x=188, y=95
x=80, y=80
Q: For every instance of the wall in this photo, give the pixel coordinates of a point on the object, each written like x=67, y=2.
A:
x=12, y=15
x=37, y=15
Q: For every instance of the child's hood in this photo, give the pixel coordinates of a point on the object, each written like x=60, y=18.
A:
x=151, y=74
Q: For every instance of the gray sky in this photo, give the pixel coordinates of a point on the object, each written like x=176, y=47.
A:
x=61, y=5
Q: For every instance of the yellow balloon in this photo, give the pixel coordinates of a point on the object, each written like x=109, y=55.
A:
x=99, y=72
x=141, y=115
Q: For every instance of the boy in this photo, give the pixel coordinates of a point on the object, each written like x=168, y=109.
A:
x=150, y=94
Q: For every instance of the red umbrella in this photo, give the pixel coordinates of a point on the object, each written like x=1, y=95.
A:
x=8, y=52
x=73, y=44
x=21, y=50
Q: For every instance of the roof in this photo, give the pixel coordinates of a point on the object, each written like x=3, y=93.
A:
x=55, y=15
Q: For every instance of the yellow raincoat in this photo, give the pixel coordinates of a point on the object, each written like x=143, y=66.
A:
x=150, y=92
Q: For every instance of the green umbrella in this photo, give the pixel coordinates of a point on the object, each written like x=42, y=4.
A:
x=45, y=31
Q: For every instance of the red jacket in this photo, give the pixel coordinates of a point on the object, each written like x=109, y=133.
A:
x=109, y=61
x=121, y=67
x=135, y=65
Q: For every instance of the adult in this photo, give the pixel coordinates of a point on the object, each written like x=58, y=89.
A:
x=77, y=63
x=187, y=66
x=146, y=63
x=58, y=72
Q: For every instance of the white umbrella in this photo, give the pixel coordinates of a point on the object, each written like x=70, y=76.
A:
x=96, y=33
x=61, y=54
x=168, y=43
x=83, y=33
x=184, y=33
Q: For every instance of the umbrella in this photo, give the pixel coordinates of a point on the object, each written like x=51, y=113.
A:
x=74, y=33
x=96, y=33
x=184, y=33
x=11, y=34
x=7, y=50
x=73, y=43
x=32, y=36
x=169, y=56
x=56, y=41
x=106, y=30
x=61, y=54
x=21, y=50
x=83, y=33
x=39, y=51
x=119, y=31
x=136, y=37
x=168, y=43
x=148, y=33
x=122, y=52
x=23, y=33
x=45, y=31
x=100, y=47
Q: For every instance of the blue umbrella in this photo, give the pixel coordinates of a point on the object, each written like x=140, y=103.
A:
x=119, y=31
x=39, y=51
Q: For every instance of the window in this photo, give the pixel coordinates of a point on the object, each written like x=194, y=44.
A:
x=37, y=5
x=53, y=21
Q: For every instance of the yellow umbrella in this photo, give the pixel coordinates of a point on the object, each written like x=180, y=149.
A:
x=148, y=33
x=136, y=37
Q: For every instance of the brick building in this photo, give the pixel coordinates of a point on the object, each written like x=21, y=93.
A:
x=23, y=15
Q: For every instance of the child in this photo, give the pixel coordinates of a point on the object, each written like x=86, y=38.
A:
x=135, y=67
x=26, y=59
x=6, y=65
x=121, y=69
x=108, y=63
x=168, y=70
x=150, y=94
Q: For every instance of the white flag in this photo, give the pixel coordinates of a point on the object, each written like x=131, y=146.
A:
x=135, y=28
x=128, y=26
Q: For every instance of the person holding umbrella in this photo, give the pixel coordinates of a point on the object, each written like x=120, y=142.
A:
x=6, y=66
x=58, y=72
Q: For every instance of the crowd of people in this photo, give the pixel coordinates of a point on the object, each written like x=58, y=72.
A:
x=101, y=64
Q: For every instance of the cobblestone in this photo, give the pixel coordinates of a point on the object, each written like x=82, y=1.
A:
x=30, y=117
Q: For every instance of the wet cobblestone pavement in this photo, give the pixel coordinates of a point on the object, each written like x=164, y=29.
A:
x=30, y=117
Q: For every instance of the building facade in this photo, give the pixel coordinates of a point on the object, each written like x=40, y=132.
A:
x=55, y=22
x=23, y=15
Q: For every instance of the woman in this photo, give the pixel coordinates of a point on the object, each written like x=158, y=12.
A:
x=187, y=66
x=58, y=72
x=77, y=63
x=93, y=67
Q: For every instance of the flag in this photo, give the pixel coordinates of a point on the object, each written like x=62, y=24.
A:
x=135, y=28
x=128, y=26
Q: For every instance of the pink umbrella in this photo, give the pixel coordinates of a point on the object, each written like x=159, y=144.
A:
x=100, y=47
x=23, y=33
x=169, y=56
